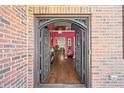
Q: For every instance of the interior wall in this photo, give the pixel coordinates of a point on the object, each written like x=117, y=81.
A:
x=65, y=34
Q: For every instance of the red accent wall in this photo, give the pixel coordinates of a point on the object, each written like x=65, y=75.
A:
x=66, y=35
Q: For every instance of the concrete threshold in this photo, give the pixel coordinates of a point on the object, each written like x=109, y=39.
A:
x=62, y=86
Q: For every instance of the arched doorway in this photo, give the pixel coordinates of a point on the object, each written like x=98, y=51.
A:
x=42, y=37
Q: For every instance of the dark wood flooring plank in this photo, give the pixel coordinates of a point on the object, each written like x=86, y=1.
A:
x=62, y=72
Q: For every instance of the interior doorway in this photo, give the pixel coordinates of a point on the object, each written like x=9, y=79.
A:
x=62, y=51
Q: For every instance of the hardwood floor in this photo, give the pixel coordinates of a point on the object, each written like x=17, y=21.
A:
x=62, y=72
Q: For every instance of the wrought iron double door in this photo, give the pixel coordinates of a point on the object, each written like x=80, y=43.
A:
x=79, y=52
x=44, y=53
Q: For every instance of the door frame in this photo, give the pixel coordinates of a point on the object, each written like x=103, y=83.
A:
x=63, y=16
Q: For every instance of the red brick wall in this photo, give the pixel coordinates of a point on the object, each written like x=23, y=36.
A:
x=107, y=49
x=31, y=48
x=123, y=28
x=13, y=46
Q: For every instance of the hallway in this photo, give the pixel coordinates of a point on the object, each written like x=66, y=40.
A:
x=62, y=72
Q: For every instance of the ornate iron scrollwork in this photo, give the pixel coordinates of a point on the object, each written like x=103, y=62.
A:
x=84, y=21
x=41, y=21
